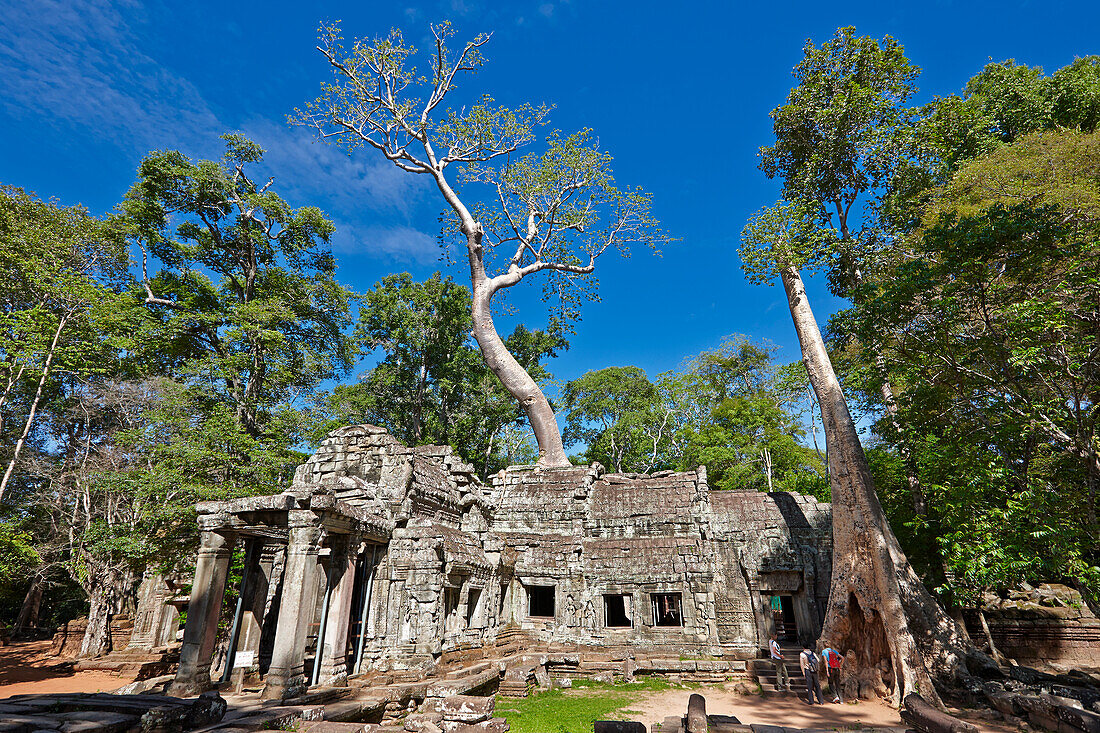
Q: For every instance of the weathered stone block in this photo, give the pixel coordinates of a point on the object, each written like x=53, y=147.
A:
x=466, y=708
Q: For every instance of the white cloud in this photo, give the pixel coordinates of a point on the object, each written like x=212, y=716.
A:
x=79, y=63
x=400, y=243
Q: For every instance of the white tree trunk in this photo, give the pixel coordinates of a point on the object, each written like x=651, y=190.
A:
x=501, y=363
x=877, y=604
x=46, y=368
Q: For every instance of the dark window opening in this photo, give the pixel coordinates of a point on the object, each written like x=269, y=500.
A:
x=540, y=600
x=450, y=609
x=616, y=611
x=667, y=610
x=473, y=609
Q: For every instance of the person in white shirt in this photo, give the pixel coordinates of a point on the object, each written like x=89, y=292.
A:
x=782, y=681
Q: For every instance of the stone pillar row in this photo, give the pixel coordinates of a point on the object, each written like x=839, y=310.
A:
x=333, y=652
x=200, y=633
x=286, y=674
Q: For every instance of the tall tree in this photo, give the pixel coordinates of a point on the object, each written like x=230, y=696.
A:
x=57, y=263
x=878, y=607
x=247, y=299
x=843, y=134
x=431, y=385
x=997, y=320
x=556, y=211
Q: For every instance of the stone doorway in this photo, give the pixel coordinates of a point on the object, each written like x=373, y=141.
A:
x=783, y=619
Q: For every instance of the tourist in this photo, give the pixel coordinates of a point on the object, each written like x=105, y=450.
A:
x=833, y=660
x=782, y=681
x=809, y=662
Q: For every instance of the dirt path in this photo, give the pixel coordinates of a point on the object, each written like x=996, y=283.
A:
x=27, y=668
x=782, y=709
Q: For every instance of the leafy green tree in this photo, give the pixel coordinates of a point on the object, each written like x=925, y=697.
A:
x=247, y=301
x=57, y=264
x=1015, y=97
x=841, y=136
x=556, y=211
x=998, y=317
x=431, y=385
x=618, y=413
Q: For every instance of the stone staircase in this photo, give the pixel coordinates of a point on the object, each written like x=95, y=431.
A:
x=763, y=670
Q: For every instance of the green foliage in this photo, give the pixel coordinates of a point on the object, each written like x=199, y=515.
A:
x=247, y=299
x=432, y=386
x=17, y=553
x=575, y=710
x=1014, y=96
x=843, y=124
x=995, y=343
x=618, y=413
x=730, y=409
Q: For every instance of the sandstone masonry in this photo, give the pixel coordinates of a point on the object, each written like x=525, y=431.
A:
x=384, y=558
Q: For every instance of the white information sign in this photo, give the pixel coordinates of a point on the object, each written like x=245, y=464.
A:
x=244, y=659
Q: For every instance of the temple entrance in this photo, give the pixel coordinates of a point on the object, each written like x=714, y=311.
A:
x=783, y=619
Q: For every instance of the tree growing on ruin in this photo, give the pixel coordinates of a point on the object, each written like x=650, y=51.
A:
x=431, y=385
x=841, y=135
x=556, y=211
x=878, y=607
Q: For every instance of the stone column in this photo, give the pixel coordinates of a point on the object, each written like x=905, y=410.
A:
x=255, y=601
x=148, y=618
x=285, y=676
x=333, y=653
x=200, y=633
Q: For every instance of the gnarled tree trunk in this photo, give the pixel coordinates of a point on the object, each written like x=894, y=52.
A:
x=877, y=605
x=501, y=363
x=32, y=603
x=106, y=594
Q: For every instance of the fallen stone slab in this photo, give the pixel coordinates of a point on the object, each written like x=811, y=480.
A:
x=725, y=724
x=326, y=726
x=350, y=710
x=493, y=725
x=618, y=726
x=21, y=723
x=924, y=717
x=465, y=708
x=761, y=728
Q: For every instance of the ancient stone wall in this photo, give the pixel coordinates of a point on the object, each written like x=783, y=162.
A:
x=1048, y=625
x=425, y=561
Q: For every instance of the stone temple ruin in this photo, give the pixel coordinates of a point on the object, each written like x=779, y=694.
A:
x=382, y=558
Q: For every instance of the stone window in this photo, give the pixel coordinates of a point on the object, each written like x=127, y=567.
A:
x=540, y=601
x=617, y=611
x=667, y=609
x=475, y=611
x=450, y=609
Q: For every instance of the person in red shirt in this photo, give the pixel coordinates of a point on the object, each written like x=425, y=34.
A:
x=833, y=662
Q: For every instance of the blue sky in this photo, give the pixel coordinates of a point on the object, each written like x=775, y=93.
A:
x=679, y=93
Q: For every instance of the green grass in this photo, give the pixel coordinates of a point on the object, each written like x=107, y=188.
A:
x=572, y=711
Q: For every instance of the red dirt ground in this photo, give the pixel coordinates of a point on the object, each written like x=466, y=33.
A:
x=27, y=668
x=781, y=709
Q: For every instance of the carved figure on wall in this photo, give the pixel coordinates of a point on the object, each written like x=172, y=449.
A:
x=571, y=612
x=589, y=615
x=408, y=624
